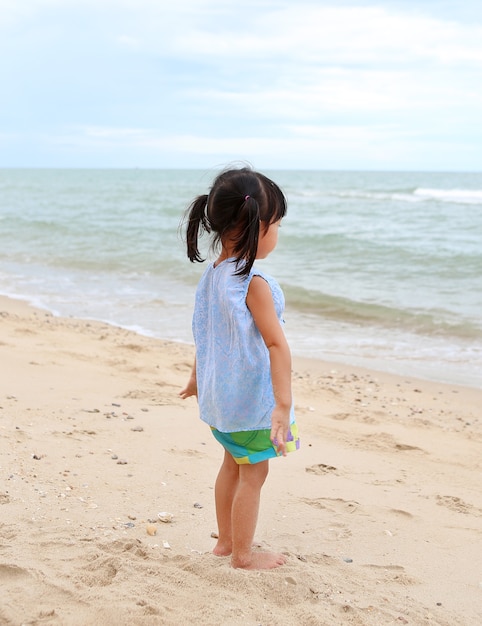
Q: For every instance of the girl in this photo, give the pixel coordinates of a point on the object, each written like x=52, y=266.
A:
x=242, y=370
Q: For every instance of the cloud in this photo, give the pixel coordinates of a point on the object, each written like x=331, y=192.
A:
x=130, y=42
x=305, y=32
x=308, y=146
x=217, y=76
x=308, y=34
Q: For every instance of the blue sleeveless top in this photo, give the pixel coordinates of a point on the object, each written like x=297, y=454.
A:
x=232, y=361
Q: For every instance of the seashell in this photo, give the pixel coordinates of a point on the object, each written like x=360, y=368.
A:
x=151, y=529
x=165, y=544
x=165, y=517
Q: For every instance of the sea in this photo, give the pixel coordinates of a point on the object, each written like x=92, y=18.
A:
x=379, y=269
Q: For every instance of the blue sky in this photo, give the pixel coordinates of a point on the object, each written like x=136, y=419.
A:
x=295, y=85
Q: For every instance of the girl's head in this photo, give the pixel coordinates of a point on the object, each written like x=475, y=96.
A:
x=239, y=204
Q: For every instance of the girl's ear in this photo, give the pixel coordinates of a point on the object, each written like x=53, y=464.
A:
x=264, y=226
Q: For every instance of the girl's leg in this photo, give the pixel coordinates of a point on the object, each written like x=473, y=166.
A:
x=244, y=516
x=224, y=490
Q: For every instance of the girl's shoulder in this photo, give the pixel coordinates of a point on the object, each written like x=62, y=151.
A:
x=267, y=277
x=276, y=291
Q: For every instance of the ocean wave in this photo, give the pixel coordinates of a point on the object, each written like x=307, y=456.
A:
x=404, y=195
x=459, y=196
x=344, y=310
x=419, y=194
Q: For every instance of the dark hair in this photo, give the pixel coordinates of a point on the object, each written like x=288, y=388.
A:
x=238, y=201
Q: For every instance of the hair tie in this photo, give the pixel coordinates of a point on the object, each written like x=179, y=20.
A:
x=246, y=198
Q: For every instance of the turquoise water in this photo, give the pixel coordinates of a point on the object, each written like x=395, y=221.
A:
x=379, y=269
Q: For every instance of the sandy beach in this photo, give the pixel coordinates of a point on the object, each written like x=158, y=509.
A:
x=107, y=505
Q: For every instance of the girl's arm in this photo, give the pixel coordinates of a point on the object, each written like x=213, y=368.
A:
x=191, y=388
x=260, y=303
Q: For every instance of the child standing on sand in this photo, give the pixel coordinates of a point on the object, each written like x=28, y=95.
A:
x=242, y=370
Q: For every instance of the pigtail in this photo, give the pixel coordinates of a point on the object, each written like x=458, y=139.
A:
x=246, y=242
x=197, y=222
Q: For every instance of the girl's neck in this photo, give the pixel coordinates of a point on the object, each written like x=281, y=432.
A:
x=221, y=258
x=227, y=252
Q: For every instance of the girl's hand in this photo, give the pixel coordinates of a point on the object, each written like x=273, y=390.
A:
x=280, y=423
x=189, y=390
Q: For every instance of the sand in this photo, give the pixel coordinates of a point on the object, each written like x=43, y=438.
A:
x=379, y=513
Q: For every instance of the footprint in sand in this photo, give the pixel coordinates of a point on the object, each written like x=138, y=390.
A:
x=100, y=572
x=334, y=505
x=394, y=573
x=385, y=441
x=458, y=505
x=320, y=469
x=133, y=347
x=15, y=580
x=339, y=416
x=11, y=572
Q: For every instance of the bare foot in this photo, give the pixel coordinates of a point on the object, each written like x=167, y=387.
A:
x=259, y=560
x=222, y=549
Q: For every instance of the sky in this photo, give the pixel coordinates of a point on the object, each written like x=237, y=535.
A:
x=333, y=85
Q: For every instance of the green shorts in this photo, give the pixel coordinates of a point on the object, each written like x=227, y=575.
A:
x=254, y=446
